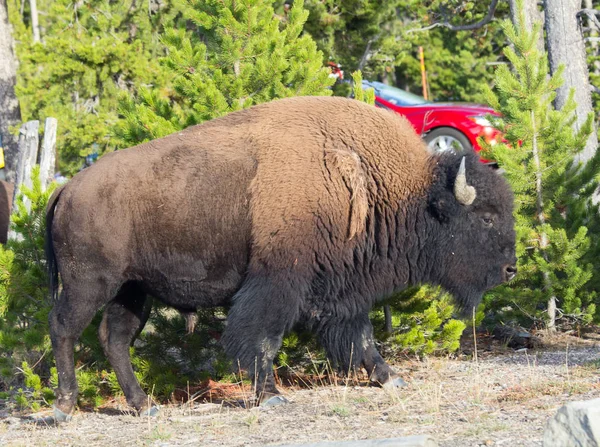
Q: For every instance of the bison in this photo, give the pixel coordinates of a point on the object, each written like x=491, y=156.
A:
x=300, y=211
x=6, y=199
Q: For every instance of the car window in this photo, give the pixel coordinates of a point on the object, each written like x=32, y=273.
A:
x=395, y=95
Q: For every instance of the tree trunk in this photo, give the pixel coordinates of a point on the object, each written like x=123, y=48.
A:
x=10, y=114
x=34, y=20
x=551, y=312
x=551, y=309
x=48, y=153
x=564, y=39
x=29, y=143
x=365, y=57
x=589, y=4
x=533, y=14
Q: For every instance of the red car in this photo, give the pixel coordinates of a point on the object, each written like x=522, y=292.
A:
x=444, y=126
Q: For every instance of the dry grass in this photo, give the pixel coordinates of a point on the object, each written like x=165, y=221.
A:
x=498, y=400
x=526, y=392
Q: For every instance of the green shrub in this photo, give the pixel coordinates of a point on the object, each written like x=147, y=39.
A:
x=422, y=322
x=24, y=301
x=557, y=281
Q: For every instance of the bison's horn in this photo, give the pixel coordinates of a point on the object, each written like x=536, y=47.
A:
x=463, y=192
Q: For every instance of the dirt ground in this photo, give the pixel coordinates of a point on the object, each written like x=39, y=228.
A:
x=501, y=399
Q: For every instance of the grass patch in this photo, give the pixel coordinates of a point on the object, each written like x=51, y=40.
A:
x=159, y=433
x=340, y=410
x=522, y=393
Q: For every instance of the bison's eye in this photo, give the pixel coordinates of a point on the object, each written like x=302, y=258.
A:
x=488, y=220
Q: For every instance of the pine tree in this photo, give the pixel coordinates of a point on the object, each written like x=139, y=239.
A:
x=239, y=54
x=593, y=56
x=552, y=244
x=360, y=34
x=382, y=39
x=458, y=63
x=90, y=52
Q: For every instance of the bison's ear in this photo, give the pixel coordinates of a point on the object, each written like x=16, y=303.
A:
x=443, y=206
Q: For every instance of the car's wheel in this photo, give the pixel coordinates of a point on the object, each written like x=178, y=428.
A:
x=447, y=139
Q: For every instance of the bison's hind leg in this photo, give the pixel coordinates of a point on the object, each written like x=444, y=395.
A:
x=72, y=313
x=262, y=311
x=349, y=344
x=124, y=317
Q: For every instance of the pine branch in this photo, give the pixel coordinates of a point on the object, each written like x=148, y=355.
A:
x=487, y=19
x=527, y=314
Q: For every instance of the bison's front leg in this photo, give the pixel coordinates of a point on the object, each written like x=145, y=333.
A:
x=262, y=311
x=350, y=344
x=379, y=371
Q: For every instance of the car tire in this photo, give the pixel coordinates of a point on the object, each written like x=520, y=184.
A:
x=447, y=139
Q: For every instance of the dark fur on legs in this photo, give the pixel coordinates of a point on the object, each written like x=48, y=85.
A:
x=263, y=310
x=69, y=317
x=124, y=317
x=350, y=344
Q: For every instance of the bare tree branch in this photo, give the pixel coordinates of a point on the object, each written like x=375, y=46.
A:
x=365, y=56
x=487, y=19
x=588, y=11
x=591, y=15
x=595, y=89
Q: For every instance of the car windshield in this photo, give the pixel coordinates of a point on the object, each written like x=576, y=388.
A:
x=395, y=95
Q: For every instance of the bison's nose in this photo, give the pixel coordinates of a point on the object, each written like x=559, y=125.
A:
x=510, y=271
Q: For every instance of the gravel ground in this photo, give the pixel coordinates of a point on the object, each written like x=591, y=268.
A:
x=498, y=400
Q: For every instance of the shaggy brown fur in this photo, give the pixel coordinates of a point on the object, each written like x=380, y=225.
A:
x=304, y=210
x=348, y=164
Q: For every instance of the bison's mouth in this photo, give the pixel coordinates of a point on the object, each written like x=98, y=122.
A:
x=500, y=275
x=468, y=295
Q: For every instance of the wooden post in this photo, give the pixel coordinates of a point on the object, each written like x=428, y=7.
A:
x=28, y=149
x=48, y=155
x=423, y=73
x=387, y=312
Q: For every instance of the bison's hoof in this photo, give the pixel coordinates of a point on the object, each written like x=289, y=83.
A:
x=150, y=412
x=274, y=401
x=60, y=416
x=396, y=382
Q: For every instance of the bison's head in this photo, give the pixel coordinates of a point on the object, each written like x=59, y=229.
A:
x=471, y=207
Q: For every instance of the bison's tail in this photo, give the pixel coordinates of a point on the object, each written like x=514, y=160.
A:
x=49, y=246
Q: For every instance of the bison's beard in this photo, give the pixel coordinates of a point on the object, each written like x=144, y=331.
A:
x=468, y=296
x=466, y=300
